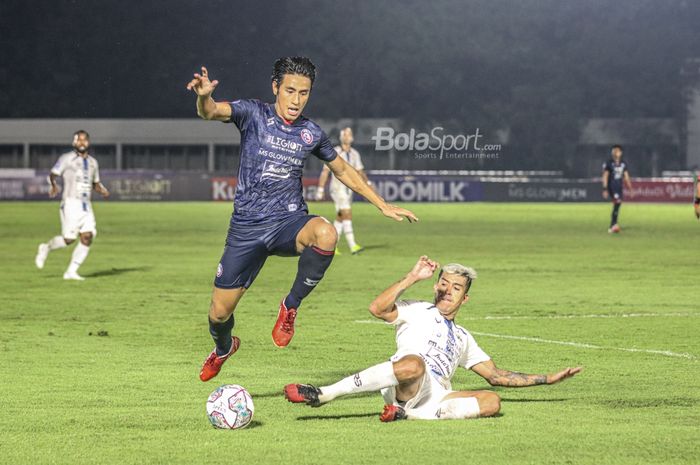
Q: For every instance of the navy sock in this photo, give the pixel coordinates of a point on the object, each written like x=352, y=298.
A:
x=221, y=333
x=615, y=212
x=313, y=263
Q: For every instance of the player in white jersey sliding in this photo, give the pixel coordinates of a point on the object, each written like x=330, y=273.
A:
x=81, y=175
x=415, y=382
x=342, y=195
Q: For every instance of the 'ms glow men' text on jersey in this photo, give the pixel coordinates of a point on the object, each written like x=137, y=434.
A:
x=442, y=344
x=78, y=175
x=273, y=154
x=616, y=171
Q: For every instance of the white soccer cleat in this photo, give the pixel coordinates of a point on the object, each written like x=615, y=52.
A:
x=72, y=276
x=41, y=255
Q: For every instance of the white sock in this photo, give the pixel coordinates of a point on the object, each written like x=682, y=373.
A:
x=451, y=409
x=349, y=234
x=372, y=379
x=80, y=253
x=338, y=227
x=57, y=242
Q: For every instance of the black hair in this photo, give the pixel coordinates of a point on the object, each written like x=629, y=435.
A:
x=293, y=65
x=616, y=146
x=81, y=131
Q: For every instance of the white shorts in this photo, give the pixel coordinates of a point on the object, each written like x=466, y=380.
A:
x=77, y=218
x=342, y=199
x=430, y=392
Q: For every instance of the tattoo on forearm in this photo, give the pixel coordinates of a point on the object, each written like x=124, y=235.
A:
x=515, y=379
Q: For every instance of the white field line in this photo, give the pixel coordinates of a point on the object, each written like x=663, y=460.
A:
x=564, y=317
x=583, y=345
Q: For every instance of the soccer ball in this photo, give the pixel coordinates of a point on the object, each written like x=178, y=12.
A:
x=230, y=407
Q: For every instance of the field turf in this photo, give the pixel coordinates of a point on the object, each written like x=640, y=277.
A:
x=105, y=371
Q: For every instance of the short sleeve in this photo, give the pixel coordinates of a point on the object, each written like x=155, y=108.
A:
x=359, y=166
x=324, y=150
x=242, y=112
x=96, y=178
x=406, y=311
x=626, y=168
x=60, y=166
x=606, y=166
x=473, y=354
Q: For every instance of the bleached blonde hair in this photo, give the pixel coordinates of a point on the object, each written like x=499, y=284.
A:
x=461, y=270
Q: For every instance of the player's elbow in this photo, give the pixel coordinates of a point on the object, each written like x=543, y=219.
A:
x=378, y=311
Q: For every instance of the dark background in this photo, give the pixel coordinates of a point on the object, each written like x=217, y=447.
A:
x=536, y=67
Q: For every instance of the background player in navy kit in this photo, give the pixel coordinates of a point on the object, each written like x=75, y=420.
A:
x=615, y=173
x=696, y=201
x=270, y=215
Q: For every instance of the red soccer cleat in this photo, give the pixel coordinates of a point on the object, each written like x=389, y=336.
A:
x=283, y=331
x=302, y=393
x=392, y=413
x=213, y=363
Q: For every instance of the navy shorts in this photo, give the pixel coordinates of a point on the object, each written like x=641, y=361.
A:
x=615, y=194
x=247, y=248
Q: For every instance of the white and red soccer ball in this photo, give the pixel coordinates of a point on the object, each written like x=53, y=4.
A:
x=230, y=407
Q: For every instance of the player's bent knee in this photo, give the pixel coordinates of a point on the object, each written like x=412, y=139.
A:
x=326, y=236
x=68, y=241
x=86, y=239
x=409, y=368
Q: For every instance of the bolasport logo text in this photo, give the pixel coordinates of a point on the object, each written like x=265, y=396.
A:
x=436, y=144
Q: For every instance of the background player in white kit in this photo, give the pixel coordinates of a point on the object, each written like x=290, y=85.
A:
x=415, y=383
x=342, y=195
x=81, y=175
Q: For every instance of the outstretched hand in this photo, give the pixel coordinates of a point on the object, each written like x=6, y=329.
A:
x=398, y=213
x=424, y=268
x=562, y=375
x=201, y=84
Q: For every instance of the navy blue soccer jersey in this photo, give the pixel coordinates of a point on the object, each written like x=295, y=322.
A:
x=273, y=154
x=616, y=175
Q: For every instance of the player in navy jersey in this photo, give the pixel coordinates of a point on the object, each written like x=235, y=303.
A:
x=615, y=174
x=270, y=215
x=696, y=200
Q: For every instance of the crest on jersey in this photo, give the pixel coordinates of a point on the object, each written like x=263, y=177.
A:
x=306, y=136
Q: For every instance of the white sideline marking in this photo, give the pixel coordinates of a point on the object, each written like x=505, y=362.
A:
x=569, y=317
x=563, y=317
x=583, y=345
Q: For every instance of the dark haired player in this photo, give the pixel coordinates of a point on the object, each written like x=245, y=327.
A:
x=615, y=173
x=270, y=215
x=81, y=175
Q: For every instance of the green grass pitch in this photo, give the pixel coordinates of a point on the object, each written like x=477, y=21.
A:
x=554, y=290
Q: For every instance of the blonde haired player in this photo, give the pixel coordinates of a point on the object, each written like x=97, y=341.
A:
x=81, y=174
x=341, y=194
x=430, y=346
